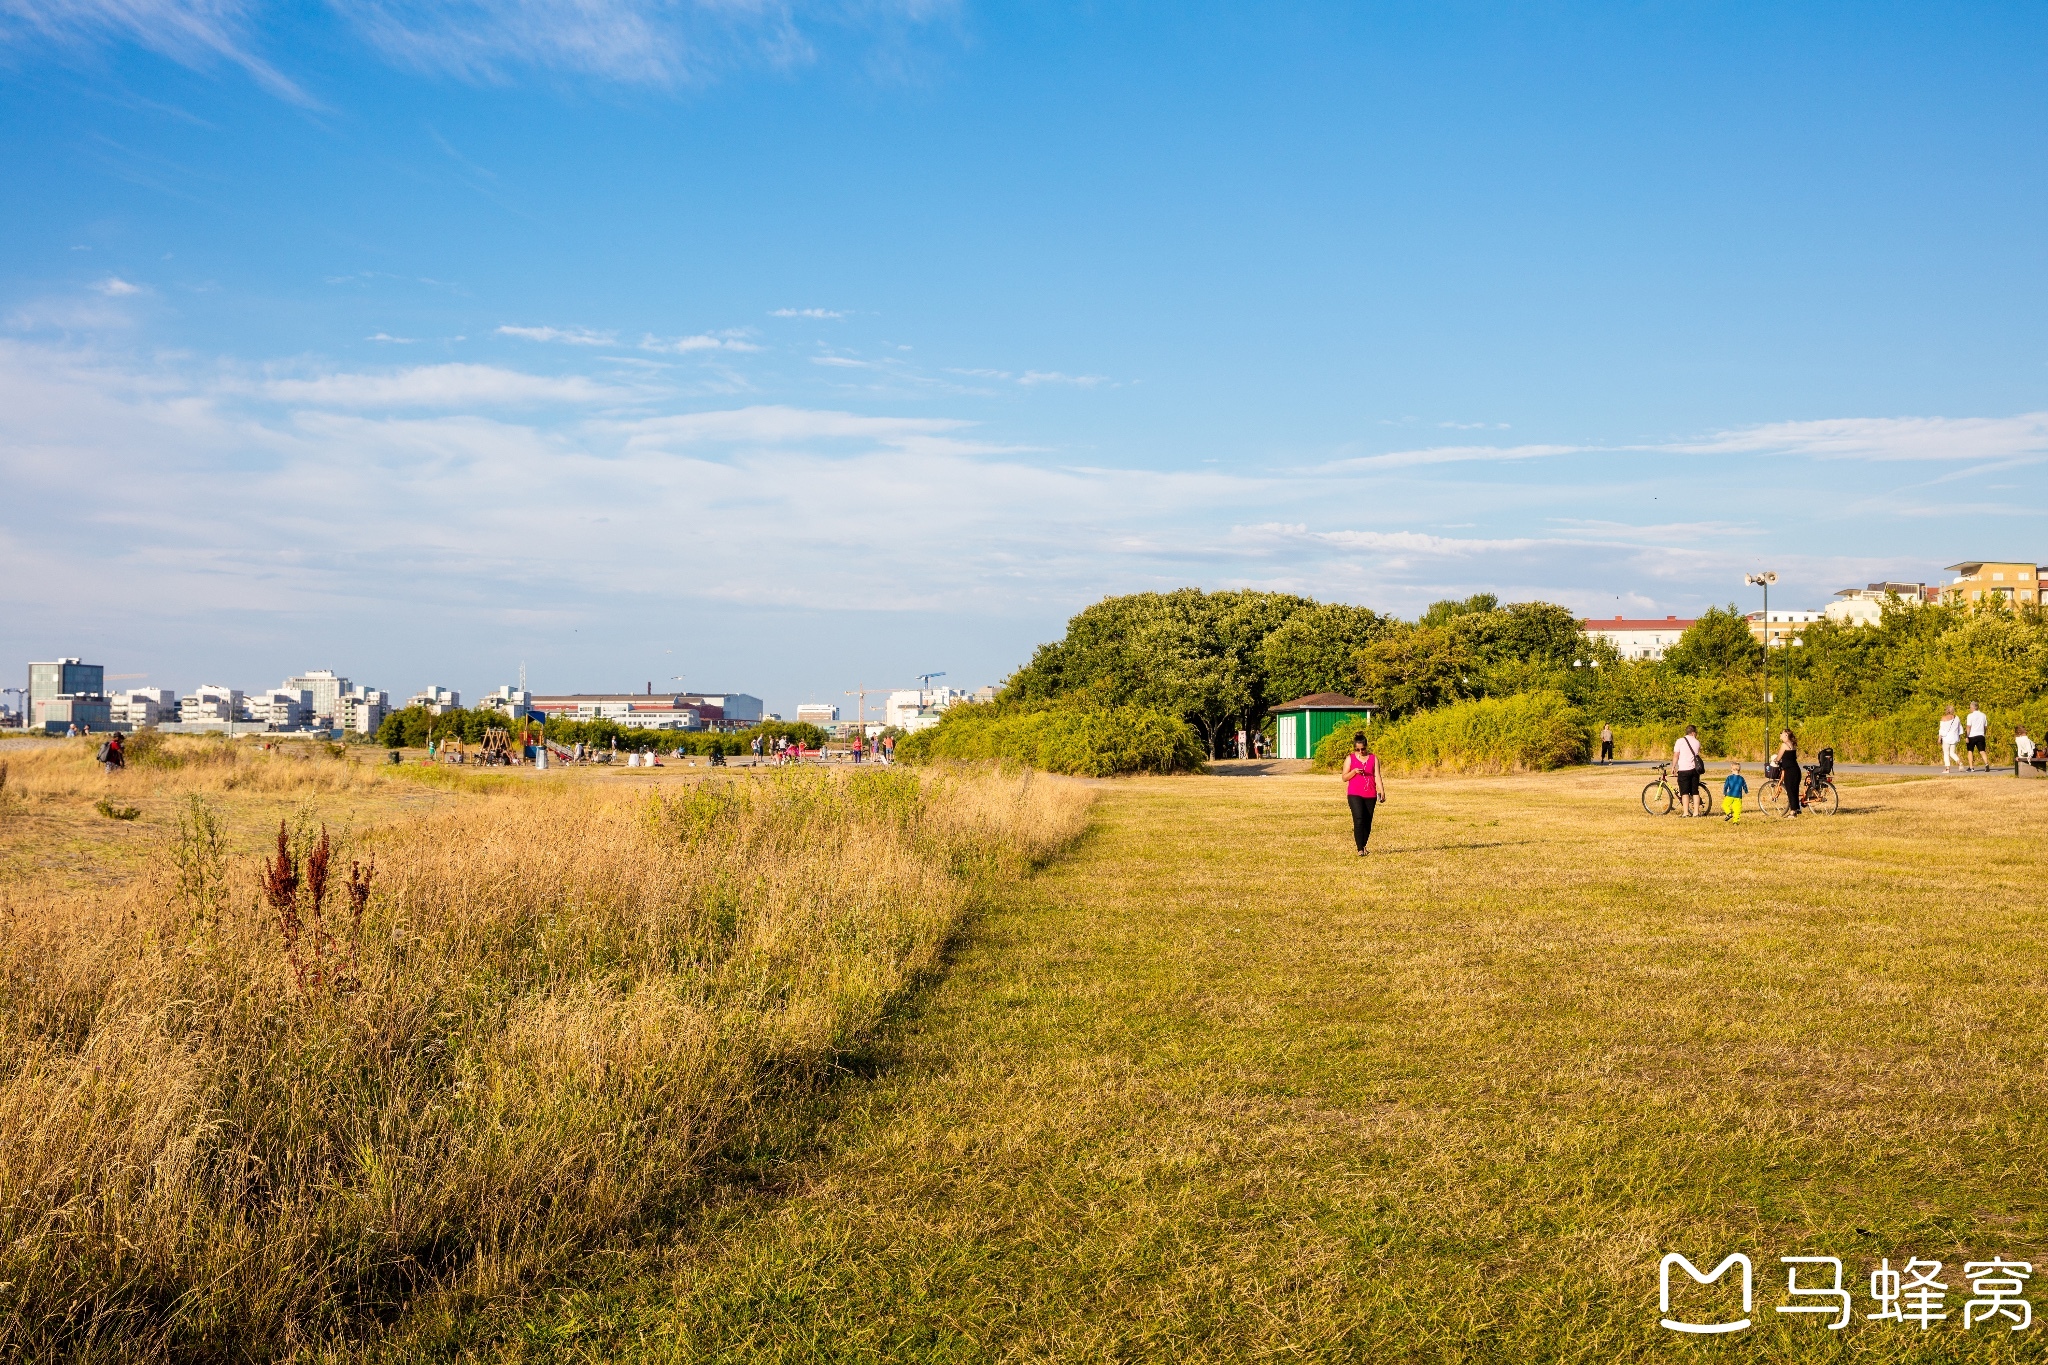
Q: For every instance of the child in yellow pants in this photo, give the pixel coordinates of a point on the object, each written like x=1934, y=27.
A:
x=1732, y=792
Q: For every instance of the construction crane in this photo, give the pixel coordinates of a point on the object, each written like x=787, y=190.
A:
x=925, y=685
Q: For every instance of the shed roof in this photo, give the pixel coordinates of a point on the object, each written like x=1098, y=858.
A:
x=1323, y=701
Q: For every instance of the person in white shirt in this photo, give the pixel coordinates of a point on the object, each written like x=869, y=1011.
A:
x=1689, y=766
x=2023, y=746
x=1975, y=725
x=1951, y=735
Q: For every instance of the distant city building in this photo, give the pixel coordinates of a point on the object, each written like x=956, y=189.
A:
x=362, y=709
x=515, y=702
x=140, y=706
x=64, y=692
x=1639, y=637
x=13, y=705
x=655, y=710
x=817, y=713
x=984, y=695
x=436, y=699
x=325, y=688
x=212, y=704
x=911, y=709
x=1865, y=606
x=2016, y=583
x=283, y=708
x=1784, y=628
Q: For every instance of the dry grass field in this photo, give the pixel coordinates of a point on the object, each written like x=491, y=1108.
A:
x=296, y=1048
x=1212, y=1089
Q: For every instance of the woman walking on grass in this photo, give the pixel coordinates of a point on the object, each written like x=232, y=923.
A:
x=1363, y=789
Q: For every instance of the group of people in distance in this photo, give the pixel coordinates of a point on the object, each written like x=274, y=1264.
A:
x=1689, y=766
x=1971, y=732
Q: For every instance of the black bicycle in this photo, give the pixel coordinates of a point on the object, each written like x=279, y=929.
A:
x=1818, y=794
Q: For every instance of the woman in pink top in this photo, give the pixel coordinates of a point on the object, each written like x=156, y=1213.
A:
x=1363, y=789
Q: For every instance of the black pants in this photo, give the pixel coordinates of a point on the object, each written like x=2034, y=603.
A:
x=1606, y=751
x=1361, y=818
x=1792, y=782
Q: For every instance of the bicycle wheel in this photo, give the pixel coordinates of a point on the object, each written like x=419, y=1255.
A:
x=1824, y=799
x=1657, y=798
x=1770, y=797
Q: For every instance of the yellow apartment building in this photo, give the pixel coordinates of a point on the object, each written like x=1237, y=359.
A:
x=2019, y=584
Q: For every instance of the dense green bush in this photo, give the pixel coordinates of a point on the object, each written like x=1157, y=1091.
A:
x=1535, y=731
x=1092, y=742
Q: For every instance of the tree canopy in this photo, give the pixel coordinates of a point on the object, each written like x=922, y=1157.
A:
x=1221, y=660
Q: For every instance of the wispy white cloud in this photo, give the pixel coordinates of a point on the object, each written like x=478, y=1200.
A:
x=843, y=362
x=1452, y=455
x=1031, y=378
x=636, y=42
x=775, y=425
x=1888, y=438
x=443, y=386
x=703, y=341
x=114, y=287
x=480, y=488
x=194, y=33
x=392, y=340
x=820, y=313
x=567, y=336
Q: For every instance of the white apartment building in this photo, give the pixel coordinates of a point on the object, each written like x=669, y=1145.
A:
x=1865, y=606
x=140, y=706
x=818, y=713
x=1639, y=637
x=509, y=700
x=910, y=709
x=1784, y=628
x=325, y=688
x=361, y=710
x=212, y=702
x=283, y=708
x=436, y=699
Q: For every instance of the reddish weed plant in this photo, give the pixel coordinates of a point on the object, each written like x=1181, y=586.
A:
x=296, y=891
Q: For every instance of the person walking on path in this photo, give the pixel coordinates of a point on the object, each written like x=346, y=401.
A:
x=1363, y=789
x=1690, y=765
x=1606, y=745
x=1975, y=726
x=1951, y=735
x=1733, y=789
x=1790, y=775
x=112, y=760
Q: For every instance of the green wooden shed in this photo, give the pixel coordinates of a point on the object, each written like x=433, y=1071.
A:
x=1304, y=722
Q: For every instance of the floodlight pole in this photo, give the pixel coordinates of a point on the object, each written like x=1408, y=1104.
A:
x=1764, y=581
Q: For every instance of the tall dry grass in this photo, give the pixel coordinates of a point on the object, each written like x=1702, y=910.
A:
x=43, y=772
x=554, y=1009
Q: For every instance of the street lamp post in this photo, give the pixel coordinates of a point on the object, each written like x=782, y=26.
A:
x=1764, y=581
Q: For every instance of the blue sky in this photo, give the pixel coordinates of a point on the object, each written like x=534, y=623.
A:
x=792, y=347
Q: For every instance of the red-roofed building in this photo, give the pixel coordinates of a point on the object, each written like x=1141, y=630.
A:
x=1640, y=637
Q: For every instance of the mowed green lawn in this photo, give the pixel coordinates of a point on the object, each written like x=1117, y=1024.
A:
x=1214, y=1089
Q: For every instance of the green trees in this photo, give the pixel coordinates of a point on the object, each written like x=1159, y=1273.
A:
x=1475, y=648
x=1217, y=661
x=1716, y=645
x=1186, y=653
x=1316, y=649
